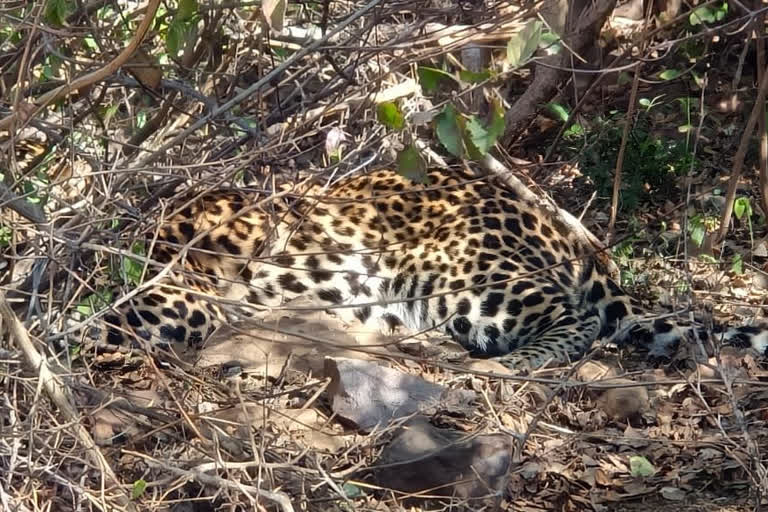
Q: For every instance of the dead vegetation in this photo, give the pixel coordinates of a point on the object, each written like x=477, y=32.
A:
x=126, y=106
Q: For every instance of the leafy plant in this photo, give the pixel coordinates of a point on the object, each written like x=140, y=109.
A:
x=6, y=233
x=57, y=11
x=622, y=254
x=708, y=14
x=94, y=302
x=473, y=77
x=650, y=162
x=649, y=104
x=138, y=488
x=479, y=137
x=468, y=135
x=737, y=264
x=430, y=78
x=448, y=130
x=700, y=225
x=562, y=114
x=640, y=467
x=464, y=136
x=390, y=116
x=131, y=269
x=670, y=74
x=182, y=26
x=411, y=165
x=35, y=187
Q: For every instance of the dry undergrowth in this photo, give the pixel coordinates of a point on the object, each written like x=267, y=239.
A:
x=261, y=436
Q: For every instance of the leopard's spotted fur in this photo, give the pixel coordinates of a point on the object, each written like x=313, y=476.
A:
x=463, y=254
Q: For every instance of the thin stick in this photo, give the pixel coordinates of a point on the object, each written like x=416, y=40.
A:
x=758, y=110
x=622, y=149
x=760, y=44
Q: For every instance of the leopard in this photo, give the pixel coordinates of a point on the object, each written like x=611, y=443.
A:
x=463, y=254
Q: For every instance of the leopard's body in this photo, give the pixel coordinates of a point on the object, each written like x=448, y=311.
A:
x=464, y=255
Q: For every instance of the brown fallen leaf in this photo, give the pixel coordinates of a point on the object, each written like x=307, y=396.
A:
x=144, y=69
x=623, y=404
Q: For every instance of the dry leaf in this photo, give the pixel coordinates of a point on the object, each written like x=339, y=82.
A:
x=24, y=111
x=624, y=403
x=274, y=13
x=333, y=140
x=144, y=69
x=672, y=493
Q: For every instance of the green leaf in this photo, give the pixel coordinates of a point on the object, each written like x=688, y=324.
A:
x=737, y=264
x=139, y=486
x=430, y=78
x=6, y=234
x=741, y=207
x=174, y=38
x=352, y=491
x=94, y=302
x=131, y=268
x=181, y=26
x=698, y=79
x=56, y=11
x=497, y=124
x=74, y=351
x=624, y=78
x=559, y=111
x=670, y=74
x=472, y=152
x=550, y=43
x=448, y=130
x=187, y=10
x=411, y=165
x=52, y=67
x=31, y=192
x=575, y=130
x=697, y=234
x=90, y=43
x=522, y=45
x=474, y=77
x=477, y=134
x=484, y=137
x=703, y=14
x=639, y=466
x=390, y=116
x=141, y=119
x=708, y=14
x=109, y=112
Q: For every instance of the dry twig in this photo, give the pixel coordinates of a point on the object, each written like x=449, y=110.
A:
x=758, y=110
